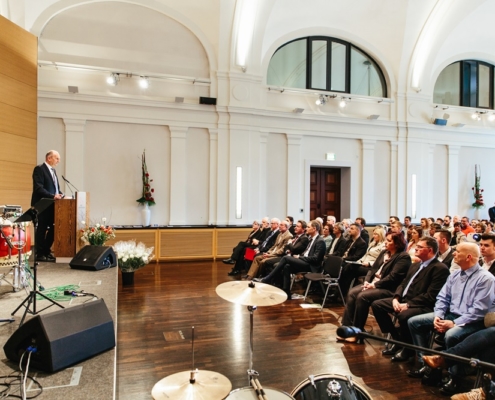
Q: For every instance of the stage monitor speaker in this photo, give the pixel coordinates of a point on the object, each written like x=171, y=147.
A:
x=64, y=337
x=94, y=258
x=208, y=100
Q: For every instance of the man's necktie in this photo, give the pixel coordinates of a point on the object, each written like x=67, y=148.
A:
x=55, y=180
x=412, y=279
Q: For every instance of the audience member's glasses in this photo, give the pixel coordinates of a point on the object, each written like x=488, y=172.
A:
x=418, y=247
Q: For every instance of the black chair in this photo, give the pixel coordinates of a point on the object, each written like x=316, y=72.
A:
x=332, y=268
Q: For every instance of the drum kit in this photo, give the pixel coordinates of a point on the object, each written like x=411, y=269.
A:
x=15, y=247
x=208, y=385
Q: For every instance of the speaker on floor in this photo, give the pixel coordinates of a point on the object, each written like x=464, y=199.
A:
x=94, y=258
x=64, y=337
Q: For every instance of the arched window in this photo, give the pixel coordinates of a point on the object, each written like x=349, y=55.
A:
x=325, y=63
x=467, y=83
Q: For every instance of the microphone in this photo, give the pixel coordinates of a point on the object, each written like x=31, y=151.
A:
x=348, y=331
x=69, y=185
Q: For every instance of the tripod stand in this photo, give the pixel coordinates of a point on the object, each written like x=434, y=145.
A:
x=32, y=215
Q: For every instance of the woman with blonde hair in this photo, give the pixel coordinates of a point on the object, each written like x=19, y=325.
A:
x=425, y=226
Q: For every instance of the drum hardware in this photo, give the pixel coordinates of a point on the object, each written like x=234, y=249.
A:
x=192, y=385
x=32, y=215
x=252, y=295
x=331, y=387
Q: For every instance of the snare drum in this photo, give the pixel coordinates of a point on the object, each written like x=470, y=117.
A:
x=19, y=237
x=329, y=387
x=248, y=393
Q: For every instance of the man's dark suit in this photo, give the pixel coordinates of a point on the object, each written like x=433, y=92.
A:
x=297, y=246
x=310, y=263
x=263, y=246
x=392, y=274
x=365, y=236
x=351, y=271
x=448, y=260
x=420, y=298
x=44, y=188
x=491, y=213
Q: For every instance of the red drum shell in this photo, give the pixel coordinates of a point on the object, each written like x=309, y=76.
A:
x=25, y=238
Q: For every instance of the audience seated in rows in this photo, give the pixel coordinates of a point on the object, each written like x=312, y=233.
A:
x=254, y=236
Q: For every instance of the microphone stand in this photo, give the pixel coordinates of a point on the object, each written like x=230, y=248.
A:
x=346, y=332
x=69, y=186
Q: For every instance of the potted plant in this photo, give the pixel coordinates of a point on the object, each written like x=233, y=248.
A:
x=131, y=257
x=146, y=198
x=97, y=234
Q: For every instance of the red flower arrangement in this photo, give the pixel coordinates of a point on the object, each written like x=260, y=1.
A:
x=147, y=194
x=477, y=191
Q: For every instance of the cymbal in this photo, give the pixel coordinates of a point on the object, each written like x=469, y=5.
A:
x=209, y=385
x=241, y=292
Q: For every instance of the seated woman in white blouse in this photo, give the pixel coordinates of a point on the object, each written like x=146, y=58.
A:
x=416, y=233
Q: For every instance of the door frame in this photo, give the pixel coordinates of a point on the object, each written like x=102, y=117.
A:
x=348, y=185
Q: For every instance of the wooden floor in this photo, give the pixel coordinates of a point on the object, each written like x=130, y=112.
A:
x=155, y=317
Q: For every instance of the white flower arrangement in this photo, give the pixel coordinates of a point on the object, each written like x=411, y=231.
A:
x=132, y=256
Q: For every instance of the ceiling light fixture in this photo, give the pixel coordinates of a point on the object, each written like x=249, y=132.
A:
x=321, y=100
x=343, y=103
x=144, y=82
x=113, y=79
x=491, y=117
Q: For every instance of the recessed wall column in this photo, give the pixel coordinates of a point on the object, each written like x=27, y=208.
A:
x=74, y=153
x=262, y=183
x=368, y=179
x=178, y=175
x=394, y=158
x=294, y=175
x=212, y=207
x=453, y=180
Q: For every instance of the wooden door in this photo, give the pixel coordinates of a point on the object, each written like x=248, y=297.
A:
x=324, y=193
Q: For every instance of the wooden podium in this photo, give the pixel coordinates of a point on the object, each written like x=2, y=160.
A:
x=69, y=213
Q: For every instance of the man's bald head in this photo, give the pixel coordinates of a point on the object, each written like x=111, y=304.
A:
x=466, y=255
x=52, y=158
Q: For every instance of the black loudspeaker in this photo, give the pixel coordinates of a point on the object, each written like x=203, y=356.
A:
x=94, y=258
x=208, y=100
x=64, y=337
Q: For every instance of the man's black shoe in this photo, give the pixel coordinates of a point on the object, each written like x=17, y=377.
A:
x=391, y=350
x=451, y=387
x=50, y=257
x=41, y=258
x=234, y=272
x=433, y=377
x=228, y=261
x=418, y=373
x=403, y=355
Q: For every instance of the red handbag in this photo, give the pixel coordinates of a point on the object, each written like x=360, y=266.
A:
x=249, y=254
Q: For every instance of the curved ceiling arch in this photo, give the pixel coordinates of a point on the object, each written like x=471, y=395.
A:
x=50, y=14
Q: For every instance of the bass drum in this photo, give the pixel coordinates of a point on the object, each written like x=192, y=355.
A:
x=248, y=393
x=329, y=386
x=20, y=238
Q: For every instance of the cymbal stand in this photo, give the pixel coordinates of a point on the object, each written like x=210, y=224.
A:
x=253, y=374
x=31, y=298
x=194, y=371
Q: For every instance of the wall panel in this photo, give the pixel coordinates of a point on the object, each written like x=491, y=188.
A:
x=18, y=110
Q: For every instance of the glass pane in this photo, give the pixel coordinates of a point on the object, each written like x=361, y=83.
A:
x=365, y=76
x=483, y=86
x=319, y=64
x=337, y=78
x=447, y=86
x=288, y=66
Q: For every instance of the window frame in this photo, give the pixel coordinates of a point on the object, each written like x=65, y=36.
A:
x=348, y=78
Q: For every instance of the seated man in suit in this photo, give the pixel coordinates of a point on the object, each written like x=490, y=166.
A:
x=354, y=249
x=364, y=232
x=263, y=245
x=415, y=295
x=460, y=308
x=309, y=261
x=294, y=246
x=274, y=251
x=487, y=247
x=445, y=252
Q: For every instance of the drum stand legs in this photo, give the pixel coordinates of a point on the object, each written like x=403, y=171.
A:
x=252, y=374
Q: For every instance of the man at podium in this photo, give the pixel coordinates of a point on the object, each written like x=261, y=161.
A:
x=46, y=186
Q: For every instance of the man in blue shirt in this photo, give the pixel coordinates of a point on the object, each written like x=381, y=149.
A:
x=461, y=305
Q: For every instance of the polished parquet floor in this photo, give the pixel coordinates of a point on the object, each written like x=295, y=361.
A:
x=156, y=314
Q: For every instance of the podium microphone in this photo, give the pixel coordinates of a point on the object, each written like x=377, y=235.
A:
x=69, y=185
